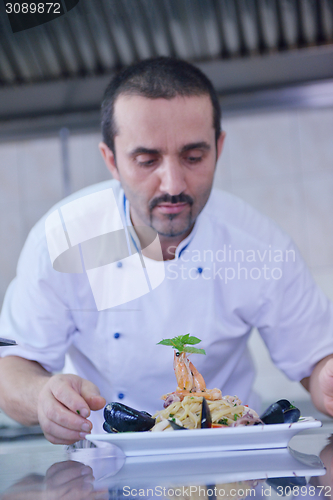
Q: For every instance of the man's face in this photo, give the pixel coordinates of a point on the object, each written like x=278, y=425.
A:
x=165, y=159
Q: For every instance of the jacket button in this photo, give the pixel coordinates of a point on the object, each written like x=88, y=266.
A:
x=121, y=395
x=116, y=335
x=119, y=264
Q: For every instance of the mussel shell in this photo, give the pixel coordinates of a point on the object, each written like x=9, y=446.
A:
x=281, y=413
x=291, y=415
x=284, y=403
x=122, y=418
x=279, y=483
x=176, y=427
x=273, y=415
x=108, y=428
x=146, y=413
x=206, y=418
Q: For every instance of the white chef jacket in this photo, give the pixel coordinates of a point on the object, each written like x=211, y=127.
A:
x=216, y=288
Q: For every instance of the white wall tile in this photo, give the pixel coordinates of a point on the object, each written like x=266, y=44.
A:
x=86, y=163
x=33, y=211
x=40, y=170
x=271, y=384
x=324, y=278
x=263, y=146
x=9, y=184
x=318, y=190
x=283, y=202
x=76, y=162
x=316, y=138
x=222, y=179
x=10, y=237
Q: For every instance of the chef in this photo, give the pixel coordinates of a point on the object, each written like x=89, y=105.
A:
x=151, y=254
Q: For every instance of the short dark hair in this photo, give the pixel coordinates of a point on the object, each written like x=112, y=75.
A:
x=158, y=77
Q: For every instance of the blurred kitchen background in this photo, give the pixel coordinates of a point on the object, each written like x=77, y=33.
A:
x=272, y=64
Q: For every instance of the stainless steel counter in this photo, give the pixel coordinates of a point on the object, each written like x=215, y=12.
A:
x=35, y=469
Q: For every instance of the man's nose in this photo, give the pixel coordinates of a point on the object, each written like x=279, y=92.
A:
x=172, y=177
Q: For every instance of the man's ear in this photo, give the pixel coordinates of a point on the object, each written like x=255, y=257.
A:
x=220, y=143
x=109, y=159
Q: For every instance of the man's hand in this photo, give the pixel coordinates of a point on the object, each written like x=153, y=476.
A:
x=320, y=385
x=64, y=404
x=325, y=378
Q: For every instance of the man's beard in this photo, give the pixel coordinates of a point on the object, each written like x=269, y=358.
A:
x=172, y=230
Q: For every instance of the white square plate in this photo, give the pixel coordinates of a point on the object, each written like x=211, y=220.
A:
x=254, y=437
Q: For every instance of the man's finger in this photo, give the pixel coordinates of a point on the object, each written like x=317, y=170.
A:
x=69, y=396
x=57, y=434
x=91, y=394
x=62, y=416
x=326, y=378
x=96, y=402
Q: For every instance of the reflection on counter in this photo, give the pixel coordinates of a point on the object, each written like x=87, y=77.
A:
x=63, y=480
x=103, y=473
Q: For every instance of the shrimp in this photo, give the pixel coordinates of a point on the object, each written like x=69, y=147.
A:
x=190, y=382
x=188, y=377
x=199, y=383
x=183, y=372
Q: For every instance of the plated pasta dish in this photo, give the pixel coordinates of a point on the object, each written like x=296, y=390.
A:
x=192, y=405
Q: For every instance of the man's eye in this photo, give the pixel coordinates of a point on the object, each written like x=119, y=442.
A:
x=193, y=159
x=145, y=160
x=147, y=163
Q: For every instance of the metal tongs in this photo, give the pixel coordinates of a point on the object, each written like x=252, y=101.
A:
x=7, y=342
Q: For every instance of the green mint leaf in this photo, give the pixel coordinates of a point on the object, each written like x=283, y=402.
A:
x=194, y=350
x=193, y=340
x=180, y=344
x=165, y=342
x=178, y=339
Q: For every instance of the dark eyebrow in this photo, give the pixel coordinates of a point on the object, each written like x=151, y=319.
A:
x=188, y=147
x=141, y=150
x=196, y=145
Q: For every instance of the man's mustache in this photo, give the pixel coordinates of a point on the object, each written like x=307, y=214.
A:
x=167, y=198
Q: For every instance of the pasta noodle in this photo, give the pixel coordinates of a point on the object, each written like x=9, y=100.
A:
x=225, y=411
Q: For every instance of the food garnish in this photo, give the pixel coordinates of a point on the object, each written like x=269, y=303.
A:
x=183, y=343
x=189, y=380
